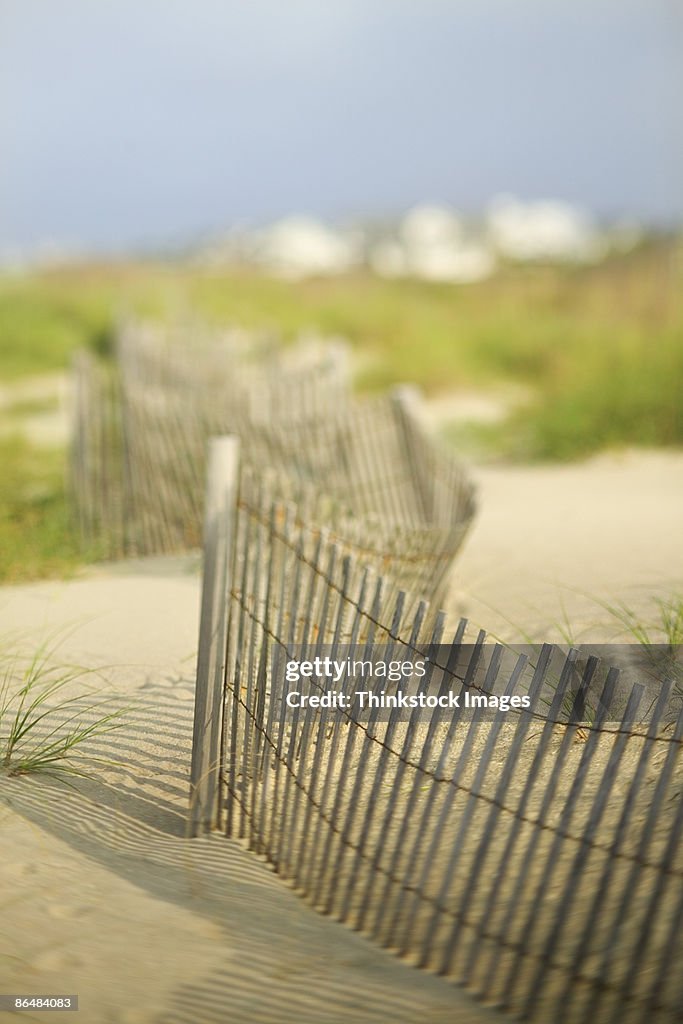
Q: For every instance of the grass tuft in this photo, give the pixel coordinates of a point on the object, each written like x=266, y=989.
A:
x=660, y=639
x=42, y=728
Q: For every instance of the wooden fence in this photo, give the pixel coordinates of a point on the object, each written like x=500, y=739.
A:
x=96, y=478
x=142, y=420
x=533, y=856
x=142, y=431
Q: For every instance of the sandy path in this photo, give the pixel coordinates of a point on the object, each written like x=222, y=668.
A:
x=551, y=542
x=103, y=895
x=50, y=426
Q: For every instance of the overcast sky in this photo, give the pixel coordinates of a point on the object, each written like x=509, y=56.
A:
x=126, y=122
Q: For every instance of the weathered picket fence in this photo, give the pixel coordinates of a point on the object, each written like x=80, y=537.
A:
x=142, y=429
x=142, y=421
x=96, y=472
x=534, y=857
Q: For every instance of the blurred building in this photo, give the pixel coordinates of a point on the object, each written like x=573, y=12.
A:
x=543, y=230
x=432, y=243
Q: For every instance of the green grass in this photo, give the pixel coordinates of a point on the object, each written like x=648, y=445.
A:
x=37, y=536
x=600, y=350
x=660, y=638
x=548, y=327
x=41, y=327
x=665, y=629
x=42, y=730
x=626, y=394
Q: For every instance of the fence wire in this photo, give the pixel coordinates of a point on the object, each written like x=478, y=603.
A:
x=142, y=424
x=533, y=857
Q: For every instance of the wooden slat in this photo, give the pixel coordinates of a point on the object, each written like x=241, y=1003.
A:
x=221, y=500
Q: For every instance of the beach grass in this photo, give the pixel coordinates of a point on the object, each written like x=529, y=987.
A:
x=598, y=351
x=600, y=348
x=43, y=724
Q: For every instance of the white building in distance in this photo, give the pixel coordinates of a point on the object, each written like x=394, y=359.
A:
x=299, y=247
x=432, y=244
x=543, y=230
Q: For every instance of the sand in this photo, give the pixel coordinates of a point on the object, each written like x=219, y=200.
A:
x=552, y=544
x=37, y=408
x=104, y=895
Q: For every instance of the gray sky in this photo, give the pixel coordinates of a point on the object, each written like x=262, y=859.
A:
x=139, y=121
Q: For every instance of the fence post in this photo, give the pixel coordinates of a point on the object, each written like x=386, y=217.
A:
x=219, y=526
x=406, y=401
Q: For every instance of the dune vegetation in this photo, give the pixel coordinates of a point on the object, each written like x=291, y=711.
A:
x=598, y=351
